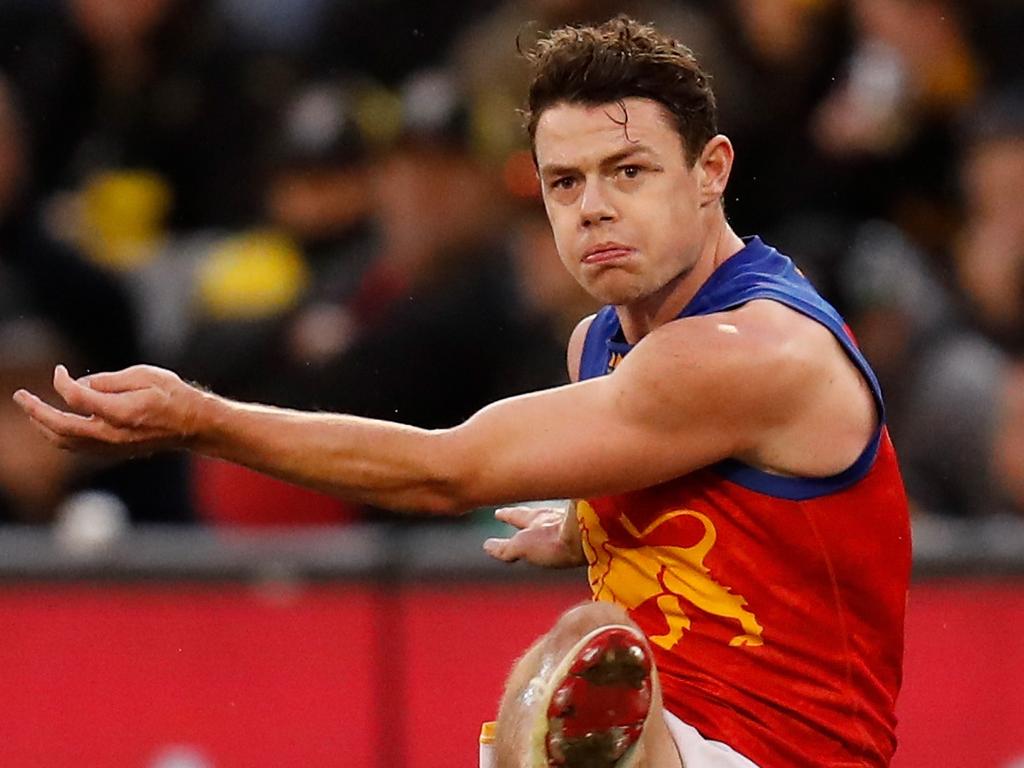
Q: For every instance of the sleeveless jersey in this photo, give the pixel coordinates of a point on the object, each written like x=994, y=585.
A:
x=774, y=605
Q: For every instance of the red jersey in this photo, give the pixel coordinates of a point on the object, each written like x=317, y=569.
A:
x=774, y=605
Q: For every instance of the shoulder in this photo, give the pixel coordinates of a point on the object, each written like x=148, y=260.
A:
x=759, y=332
x=574, y=353
x=782, y=335
x=754, y=362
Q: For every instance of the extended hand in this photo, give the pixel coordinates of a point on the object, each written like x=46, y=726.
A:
x=133, y=412
x=539, y=540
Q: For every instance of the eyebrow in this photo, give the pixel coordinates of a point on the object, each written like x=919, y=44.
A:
x=614, y=159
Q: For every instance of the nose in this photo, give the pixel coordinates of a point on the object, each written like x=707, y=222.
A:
x=595, y=205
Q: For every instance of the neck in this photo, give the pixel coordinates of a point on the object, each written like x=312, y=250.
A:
x=650, y=312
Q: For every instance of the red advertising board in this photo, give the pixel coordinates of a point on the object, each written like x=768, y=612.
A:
x=236, y=676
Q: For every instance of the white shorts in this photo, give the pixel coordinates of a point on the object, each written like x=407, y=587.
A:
x=698, y=752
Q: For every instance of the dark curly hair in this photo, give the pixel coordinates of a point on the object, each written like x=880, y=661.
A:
x=617, y=60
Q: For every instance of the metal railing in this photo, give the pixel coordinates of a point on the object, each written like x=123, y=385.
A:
x=395, y=551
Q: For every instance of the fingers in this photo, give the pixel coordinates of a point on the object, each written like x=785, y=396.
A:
x=502, y=549
x=41, y=428
x=136, y=377
x=519, y=517
x=510, y=550
x=67, y=430
x=74, y=394
x=115, y=408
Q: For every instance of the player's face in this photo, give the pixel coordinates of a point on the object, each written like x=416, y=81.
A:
x=623, y=201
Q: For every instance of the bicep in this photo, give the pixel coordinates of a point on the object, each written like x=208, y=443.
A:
x=611, y=434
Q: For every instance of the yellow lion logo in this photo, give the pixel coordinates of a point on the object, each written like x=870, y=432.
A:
x=630, y=576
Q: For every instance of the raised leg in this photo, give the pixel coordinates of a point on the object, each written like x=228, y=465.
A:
x=585, y=695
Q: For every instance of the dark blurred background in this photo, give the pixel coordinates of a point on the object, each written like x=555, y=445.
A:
x=330, y=204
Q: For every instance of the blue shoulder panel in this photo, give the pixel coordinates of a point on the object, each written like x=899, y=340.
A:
x=756, y=272
x=596, y=353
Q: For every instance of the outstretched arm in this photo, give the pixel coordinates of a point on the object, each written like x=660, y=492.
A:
x=671, y=407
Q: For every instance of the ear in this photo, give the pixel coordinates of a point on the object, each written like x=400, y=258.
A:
x=715, y=165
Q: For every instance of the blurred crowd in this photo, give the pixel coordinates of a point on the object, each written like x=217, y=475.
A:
x=330, y=205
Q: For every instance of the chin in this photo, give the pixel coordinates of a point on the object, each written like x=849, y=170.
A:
x=618, y=295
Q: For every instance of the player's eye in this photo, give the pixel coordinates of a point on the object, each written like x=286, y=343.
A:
x=630, y=171
x=563, y=182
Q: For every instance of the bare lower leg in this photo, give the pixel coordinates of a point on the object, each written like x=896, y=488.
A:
x=523, y=692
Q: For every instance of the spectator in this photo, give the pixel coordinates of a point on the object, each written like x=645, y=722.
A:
x=141, y=85
x=56, y=306
x=85, y=305
x=314, y=245
x=784, y=56
x=990, y=248
x=422, y=319
x=887, y=128
x=954, y=397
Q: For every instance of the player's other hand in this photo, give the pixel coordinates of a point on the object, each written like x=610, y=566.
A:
x=133, y=412
x=540, y=539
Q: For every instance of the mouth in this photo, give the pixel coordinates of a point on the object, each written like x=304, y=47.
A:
x=605, y=252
